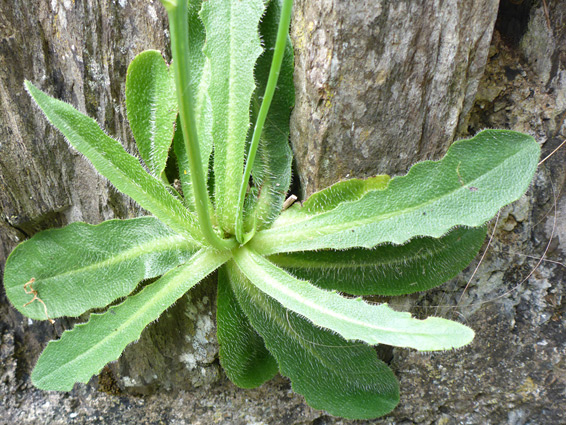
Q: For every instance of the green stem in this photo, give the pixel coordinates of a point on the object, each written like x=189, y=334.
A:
x=278, y=52
x=179, y=27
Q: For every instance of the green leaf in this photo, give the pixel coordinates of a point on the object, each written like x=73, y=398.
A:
x=152, y=108
x=272, y=167
x=113, y=162
x=329, y=198
x=353, y=319
x=421, y=264
x=344, y=378
x=467, y=187
x=343, y=191
x=199, y=79
x=179, y=27
x=232, y=47
x=83, y=351
x=243, y=355
x=184, y=167
x=80, y=267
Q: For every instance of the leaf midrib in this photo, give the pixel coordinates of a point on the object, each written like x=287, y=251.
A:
x=271, y=236
x=112, y=335
x=339, y=316
x=156, y=246
x=309, y=345
x=157, y=205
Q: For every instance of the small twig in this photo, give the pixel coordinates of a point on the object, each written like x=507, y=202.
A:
x=540, y=260
x=481, y=259
x=288, y=202
x=534, y=257
x=551, y=153
x=28, y=289
x=546, y=14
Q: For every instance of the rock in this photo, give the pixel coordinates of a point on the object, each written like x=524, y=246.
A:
x=381, y=85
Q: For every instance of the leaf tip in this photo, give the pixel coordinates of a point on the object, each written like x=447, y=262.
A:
x=29, y=87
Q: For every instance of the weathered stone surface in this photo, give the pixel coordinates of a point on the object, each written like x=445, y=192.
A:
x=513, y=373
x=78, y=52
x=178, y=352
x=382, y=84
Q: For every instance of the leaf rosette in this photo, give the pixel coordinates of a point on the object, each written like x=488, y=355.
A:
x=222, y=110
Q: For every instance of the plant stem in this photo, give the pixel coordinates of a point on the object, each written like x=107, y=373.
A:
x=282, y=32
x=179, y=27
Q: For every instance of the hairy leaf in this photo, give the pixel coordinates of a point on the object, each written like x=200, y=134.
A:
x=80, y=267
x=420, y=264
x=232, y=48
x=467, y=187
x=152, y=107
x=184, y=167
x=83, y=351
x=344, y=191
x=113, y=162
x=329, y=198
x=272, y=168
x=200, y=81
x=344, y=378
x=353, y=319
x=243, y=355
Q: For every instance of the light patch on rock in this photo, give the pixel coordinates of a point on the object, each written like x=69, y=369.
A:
x=204, y=327
x=128, y=382
x=558, y=229
x=538, y=45
x=251, y=421
x=521, y=209
x=62, y=16
x=189, y=360
x=191, y=312
x=201, y=351
x=560, y=84
x=152, y=13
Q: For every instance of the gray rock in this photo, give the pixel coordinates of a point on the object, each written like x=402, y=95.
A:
x=381, y=85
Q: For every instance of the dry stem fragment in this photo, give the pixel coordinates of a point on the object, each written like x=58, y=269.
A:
x=28, y=288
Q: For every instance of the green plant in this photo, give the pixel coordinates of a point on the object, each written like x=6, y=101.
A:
x=361, y=237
